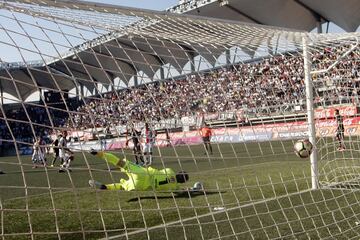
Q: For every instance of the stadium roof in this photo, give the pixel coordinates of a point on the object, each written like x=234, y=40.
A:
x=297, y=14
x=135, y=41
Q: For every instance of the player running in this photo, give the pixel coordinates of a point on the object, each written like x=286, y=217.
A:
x=140, y=178
x=339, y=135
x=135, y=138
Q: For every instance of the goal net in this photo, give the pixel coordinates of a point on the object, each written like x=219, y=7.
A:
x=221, y=102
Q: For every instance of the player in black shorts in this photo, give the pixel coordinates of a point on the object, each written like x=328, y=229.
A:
x=340, y=130
x=134, y=137
x=55, y=145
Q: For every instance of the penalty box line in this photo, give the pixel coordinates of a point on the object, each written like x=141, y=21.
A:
x=201, y=216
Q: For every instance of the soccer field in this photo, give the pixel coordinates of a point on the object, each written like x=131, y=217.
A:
x=253, y=191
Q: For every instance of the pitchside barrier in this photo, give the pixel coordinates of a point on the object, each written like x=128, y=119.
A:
x=325, y=126
x=259, y=133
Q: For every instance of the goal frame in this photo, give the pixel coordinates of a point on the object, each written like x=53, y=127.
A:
x=310, y=114
x=309, y=87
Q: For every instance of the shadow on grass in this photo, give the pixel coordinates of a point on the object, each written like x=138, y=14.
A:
x=185, y=194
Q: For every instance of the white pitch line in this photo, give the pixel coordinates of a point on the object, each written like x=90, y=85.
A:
x=35, y=195
x=200, y=216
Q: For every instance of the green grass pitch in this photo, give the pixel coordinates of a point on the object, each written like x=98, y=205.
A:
x=263, y=187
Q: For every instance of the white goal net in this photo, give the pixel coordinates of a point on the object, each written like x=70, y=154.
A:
x=119, y=123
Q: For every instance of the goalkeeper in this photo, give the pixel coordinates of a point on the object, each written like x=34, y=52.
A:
x=140, y=178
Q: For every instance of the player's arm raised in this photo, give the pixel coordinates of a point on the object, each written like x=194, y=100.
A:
x=110, y=158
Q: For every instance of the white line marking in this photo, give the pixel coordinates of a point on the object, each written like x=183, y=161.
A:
x=199, y=216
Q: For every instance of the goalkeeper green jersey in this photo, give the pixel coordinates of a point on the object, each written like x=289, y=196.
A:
x=142, y=178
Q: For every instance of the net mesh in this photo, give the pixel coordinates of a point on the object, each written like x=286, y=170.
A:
x=83, y=77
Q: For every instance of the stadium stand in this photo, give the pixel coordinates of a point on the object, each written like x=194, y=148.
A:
x=246, y=86
x=249, y=89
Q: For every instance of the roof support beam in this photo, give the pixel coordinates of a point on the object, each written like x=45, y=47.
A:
x=162, y=74
x=30, y=76
x=1, y=94
x=190, y=52
x=136, y=82
x=110, y=76
x=116, y=59
x=318, y=27
x=316, y=15
x=84, y=74
x=136, y=48
x=234, y=9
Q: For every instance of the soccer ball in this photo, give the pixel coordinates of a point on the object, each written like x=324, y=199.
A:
x=303, y=148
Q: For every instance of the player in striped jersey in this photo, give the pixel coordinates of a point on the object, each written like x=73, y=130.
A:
x=340, y=130
x=135, y=138
x=37, y=155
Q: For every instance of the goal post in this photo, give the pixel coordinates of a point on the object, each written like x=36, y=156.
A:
x=336, y=171
x=310, y=114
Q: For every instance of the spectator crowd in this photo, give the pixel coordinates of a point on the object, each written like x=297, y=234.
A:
x=260, y=88
x=25, y=126
x=273, y=84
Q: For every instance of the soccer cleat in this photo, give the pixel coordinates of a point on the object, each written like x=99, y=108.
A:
x=93, y=151
x=146, y=164
x=96, y=184
x=341, y=149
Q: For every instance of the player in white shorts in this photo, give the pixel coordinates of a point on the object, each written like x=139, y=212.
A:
x=62, y=146
x=68, y=158
x=43, y=151
x=148, y=136
x=65, y=155
x=37, y=155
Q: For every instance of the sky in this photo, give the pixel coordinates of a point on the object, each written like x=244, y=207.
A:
x=163, y=4
x=8, y=27
x=13, y=35
x=11, y=40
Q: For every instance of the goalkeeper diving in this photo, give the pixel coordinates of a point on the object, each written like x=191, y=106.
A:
x=142, y=178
